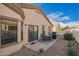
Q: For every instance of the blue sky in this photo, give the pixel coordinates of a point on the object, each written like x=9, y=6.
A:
x=61, y=12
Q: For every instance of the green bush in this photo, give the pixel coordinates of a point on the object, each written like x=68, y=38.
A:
x=71, y=43
x=68, y=36
x=71, y=52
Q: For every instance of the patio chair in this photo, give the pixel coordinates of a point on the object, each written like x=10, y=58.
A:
x=43, y=37
x=46, y=38
x=49, y=37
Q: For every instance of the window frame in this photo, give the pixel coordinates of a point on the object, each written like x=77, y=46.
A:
x=9, y=19
x=43, y=30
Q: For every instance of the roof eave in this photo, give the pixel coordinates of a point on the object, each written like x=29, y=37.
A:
x=16, y=8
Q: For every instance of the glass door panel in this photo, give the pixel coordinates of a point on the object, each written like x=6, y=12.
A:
x=30, y=32
x=43, y=29
x=9, y=31
x=33, y=33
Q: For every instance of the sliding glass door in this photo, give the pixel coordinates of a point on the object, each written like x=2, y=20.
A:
x=8, y=31
x=32, y=32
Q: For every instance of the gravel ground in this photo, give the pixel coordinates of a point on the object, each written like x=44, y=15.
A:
x=76, y=47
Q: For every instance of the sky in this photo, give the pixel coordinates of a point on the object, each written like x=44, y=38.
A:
x=64, y=13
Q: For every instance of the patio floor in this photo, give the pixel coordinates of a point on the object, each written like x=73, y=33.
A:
x=59, y=48
x=56, y=49
x=41, y=45
x=25, y=52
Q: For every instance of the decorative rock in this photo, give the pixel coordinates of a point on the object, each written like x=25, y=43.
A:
x=41, y=50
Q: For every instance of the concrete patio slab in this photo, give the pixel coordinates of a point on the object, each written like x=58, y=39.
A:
x=41, y=45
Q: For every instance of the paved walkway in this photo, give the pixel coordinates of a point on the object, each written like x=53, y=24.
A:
x=41, y=44
x=58, y=49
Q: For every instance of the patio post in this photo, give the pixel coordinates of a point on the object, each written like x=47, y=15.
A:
x=19, y=31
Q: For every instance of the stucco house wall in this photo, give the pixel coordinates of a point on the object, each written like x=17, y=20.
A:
x=34, y=18
x=5, y=11
x=76, y=34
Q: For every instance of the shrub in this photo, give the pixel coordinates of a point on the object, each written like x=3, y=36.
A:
x=71, y=43
x=71, y=52
x=68, y=36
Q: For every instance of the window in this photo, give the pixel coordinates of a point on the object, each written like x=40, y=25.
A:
x=12, y=28
x=49, y=30
x=8, y=31
x=37, y=11
x=5, y=27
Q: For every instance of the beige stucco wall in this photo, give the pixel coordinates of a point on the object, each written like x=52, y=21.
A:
x=5, y=11
x=76, y=34
x=31, y=18
x=34, y=18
